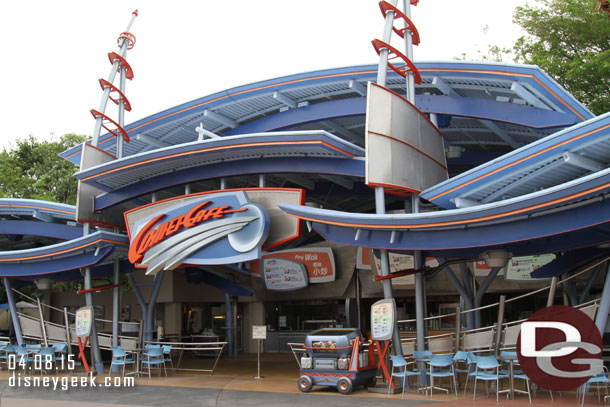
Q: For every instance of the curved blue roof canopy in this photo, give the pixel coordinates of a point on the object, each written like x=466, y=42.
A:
x=488, y=104
x=563, y=156
x=315, y=152
x=93, y=249
x=547, y=220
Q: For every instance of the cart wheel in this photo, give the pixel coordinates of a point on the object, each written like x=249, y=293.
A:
x=305, y=384
x=344, y=385
x=372, y=382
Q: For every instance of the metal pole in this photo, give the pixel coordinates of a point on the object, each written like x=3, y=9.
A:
x=552, y=289
x=116, y=303
x=358, y=297
x=458, y=327
x=500, y=322
x=96, y=355
x=13, y=308
x=383, y=54
x=140, y=298
x=604, y=305
x=151, y=305
x=410, y=79
x=42, y=325
x=261, y=181
x=113, y=71
x=67, y=324
x=481, y=292
x=119, y=138
x=229, y=324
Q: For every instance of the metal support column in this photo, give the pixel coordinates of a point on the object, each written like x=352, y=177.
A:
x=604, y=305
x=116, y=303
x=229, y=325
x=481, y=292
x=467, y=282
x=466, y=296
x=552, y=289
x=140, y=298
x=13, y=308
x=420, y=305
x=113, y=71
x=96, y=354
x=151, y=305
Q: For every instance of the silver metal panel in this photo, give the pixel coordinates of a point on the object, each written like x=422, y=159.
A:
x=85, y=198
x=401, y=144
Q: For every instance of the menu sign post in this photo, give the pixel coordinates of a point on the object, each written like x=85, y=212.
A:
x=83, y=323
x=259, y=332
x=383, y=316
x=383, y=319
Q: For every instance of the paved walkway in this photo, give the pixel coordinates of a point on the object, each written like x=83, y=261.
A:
x=234, y=385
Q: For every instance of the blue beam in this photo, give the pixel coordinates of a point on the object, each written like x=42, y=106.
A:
x=523, y=115
x=48, y=266
x=36, y=228
x=578, y=227
x=301, y=165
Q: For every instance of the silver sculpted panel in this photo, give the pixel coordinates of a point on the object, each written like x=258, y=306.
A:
x=404, y=150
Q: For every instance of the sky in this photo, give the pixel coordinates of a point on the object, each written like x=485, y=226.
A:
x=54, y=52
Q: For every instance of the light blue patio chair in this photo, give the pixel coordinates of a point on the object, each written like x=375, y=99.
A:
x=120, y=358
x=61, y=353
x=47, y=356
x=153, y=356
x=470, y=370
x=402, y=373
x=441, y=366
x=602, y=378
x=167, y=354
x=488, y=369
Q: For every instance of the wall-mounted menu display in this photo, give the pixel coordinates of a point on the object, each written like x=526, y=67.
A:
x=284, y=275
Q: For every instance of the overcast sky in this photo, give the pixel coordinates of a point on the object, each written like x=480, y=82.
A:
x=54, y=52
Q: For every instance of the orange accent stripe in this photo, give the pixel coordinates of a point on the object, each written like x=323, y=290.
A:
x=38, y=207
x=266, y=143
x=410, y=145
x=62, y=251
x=518, y=161
x=459, y=222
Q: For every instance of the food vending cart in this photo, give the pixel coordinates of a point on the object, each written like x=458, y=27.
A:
x=336, y=357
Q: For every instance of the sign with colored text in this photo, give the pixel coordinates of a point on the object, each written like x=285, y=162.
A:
x=284, y=275
x=383, y=318
x=319, y=262
x=216, y=228
x=520, y=268
x=83, y=321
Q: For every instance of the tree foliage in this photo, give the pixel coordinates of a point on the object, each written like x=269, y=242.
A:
x=571, y=42
x=33, y=169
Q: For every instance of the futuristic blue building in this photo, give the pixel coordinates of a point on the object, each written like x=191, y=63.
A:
x=528, y=175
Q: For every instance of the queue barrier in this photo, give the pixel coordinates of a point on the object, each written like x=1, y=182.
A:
x=31, y=328
x=215, y=348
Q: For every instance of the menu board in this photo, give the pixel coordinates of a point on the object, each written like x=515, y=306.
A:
x=383, y=317
x=259, y=332
x=83, y=321
x=319, y=262
x=284, y=275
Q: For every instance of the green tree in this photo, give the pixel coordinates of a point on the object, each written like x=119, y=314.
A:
x=33, y=169
x=571, y=42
